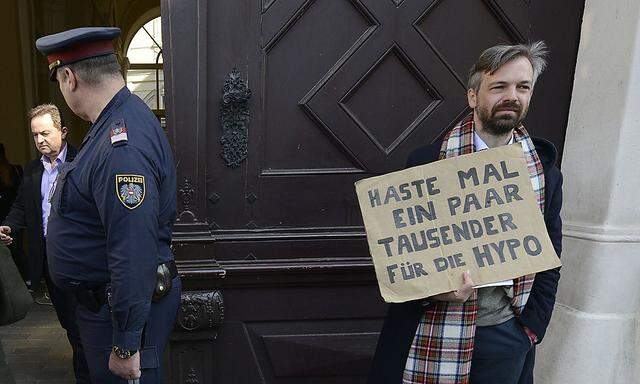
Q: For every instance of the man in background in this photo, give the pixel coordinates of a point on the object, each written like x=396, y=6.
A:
x=10, y=178
x=30, y=211
x=9, y=181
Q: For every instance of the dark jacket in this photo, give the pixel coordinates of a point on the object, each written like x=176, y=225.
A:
x=9, y=192
x=402, y=319
x=26, y=213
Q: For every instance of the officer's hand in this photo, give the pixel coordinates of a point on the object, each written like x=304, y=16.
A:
x=4, y=235
x=462, y=294
x=126, y=368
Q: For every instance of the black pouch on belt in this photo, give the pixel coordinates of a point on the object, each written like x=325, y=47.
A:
x=163, y=282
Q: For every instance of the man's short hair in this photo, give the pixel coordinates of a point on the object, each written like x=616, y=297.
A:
x=95, y=69
x=47, y=109
x=495, y=57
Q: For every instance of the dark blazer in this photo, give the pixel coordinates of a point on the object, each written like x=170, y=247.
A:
x=402, y=319
x=26, y=213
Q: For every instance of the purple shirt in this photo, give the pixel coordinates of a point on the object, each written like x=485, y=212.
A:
x=49, y=176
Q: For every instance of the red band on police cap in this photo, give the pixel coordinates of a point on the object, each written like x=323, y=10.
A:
x=81, y=51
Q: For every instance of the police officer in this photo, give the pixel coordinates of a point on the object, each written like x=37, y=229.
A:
x=112, y=210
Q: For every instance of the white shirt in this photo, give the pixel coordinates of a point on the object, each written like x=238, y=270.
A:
x=481, y=145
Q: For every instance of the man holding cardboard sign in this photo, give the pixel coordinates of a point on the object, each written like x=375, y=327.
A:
x=435, y=229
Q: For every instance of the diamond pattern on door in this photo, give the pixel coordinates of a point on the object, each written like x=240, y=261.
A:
x=392, y=86
x=487, y=28
x=308, y=43
x=412, y=99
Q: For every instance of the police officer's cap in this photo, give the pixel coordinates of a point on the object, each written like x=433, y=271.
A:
x=77, y=44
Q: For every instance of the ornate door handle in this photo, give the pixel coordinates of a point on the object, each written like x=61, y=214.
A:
x=234, y=119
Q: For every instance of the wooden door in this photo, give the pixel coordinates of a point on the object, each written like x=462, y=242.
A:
x=339, y=90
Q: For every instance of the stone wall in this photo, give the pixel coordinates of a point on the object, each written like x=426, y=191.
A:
x=593, y=335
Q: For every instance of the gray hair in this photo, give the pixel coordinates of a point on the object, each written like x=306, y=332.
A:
x=495, y=57
x=95, y=69
x=47, y=109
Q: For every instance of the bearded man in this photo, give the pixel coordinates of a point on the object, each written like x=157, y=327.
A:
x=483, y=334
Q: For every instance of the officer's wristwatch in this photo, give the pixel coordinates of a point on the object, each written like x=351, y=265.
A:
x=123, y=353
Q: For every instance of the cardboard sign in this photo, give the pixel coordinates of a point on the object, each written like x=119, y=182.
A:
x=426, y=225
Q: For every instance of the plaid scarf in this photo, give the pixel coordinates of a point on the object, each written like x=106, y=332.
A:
x=442, y=348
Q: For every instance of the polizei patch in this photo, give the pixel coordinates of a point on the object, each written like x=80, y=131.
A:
x=130, y=190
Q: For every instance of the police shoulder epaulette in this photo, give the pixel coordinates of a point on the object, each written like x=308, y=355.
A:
x=118, y=133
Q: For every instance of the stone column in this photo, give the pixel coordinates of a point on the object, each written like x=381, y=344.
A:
x=593, y=336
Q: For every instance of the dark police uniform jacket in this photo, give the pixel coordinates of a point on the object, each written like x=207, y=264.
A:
x=112, y=213
x=402, y=319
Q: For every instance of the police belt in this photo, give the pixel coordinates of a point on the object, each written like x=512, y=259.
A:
x=93, y=299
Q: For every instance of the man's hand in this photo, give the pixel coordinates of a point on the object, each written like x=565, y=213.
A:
x=4, y=235
x=462, y=294
x=126, y=368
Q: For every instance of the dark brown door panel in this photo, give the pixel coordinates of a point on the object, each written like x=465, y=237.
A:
x=278, y=282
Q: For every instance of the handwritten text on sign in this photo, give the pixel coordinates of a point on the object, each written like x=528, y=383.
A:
x=426, y=225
